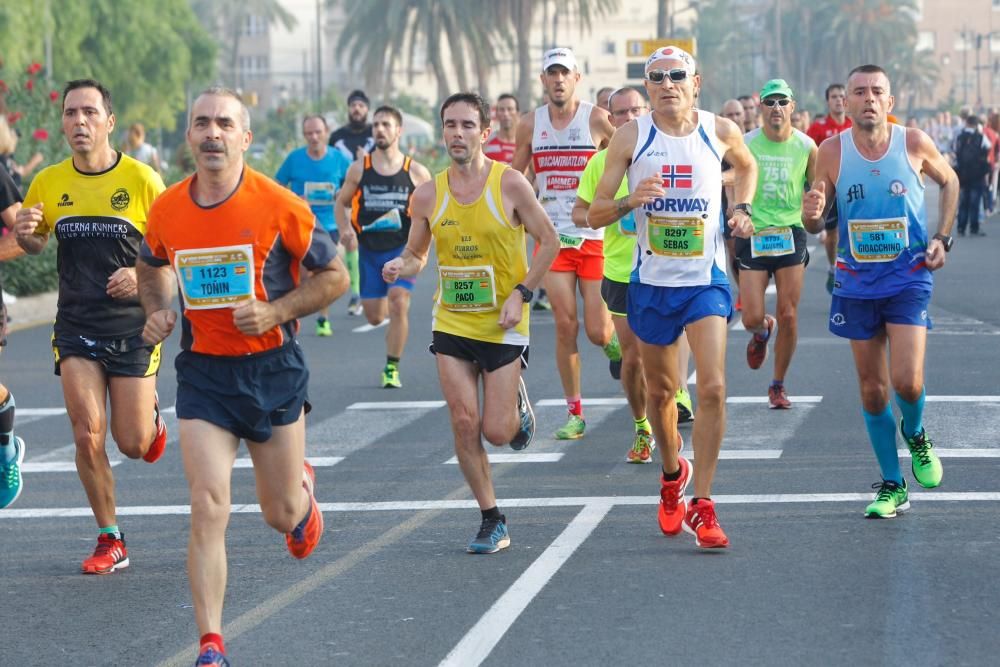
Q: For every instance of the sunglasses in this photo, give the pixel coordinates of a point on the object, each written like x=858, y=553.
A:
x=782, y=102
x=658, y=75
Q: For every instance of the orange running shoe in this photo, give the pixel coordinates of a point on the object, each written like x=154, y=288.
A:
x=756, y=348
x=672, y=505
x=110, y=555
x=307, y=534
x=159, y=444
x=701, y=522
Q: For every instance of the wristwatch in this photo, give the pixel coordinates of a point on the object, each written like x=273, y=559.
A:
x=526, y=293
x=746, y=208
x=946, y=241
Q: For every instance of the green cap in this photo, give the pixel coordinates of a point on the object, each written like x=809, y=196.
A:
x=776, y=87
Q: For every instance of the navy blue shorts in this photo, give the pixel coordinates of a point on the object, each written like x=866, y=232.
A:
x=658, y=315
x=370, y=264
x=862, y=319
x=245, y=395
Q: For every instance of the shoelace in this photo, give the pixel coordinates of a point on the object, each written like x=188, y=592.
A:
x=10, y=474
x=885, y=490
x=669, y=496
x=641, y=442
x=920, y=446
x=103, y=548
x=487, y=528
x=706, y=513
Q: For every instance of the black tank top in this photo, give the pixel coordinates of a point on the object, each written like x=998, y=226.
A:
x=386, y=197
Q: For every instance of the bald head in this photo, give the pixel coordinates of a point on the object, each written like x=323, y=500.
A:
x=733, y=110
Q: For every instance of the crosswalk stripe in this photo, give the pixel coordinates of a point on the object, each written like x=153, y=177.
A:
x=538, y=457
x=316, y=461
x=956, y=453
x=54, y=466
x=395, y=405
x=364, y=328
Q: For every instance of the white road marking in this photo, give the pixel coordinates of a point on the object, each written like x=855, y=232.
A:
x=693, y=378
x=364, y=328
x=40, y=412
x=54, y=466
x=763, y=399
x=961, y=399
x=479, y=642
x=957, y=453
x=390, y=405
x=737, y=324
x=771, y=289
x=537, y=457
x=316, y=461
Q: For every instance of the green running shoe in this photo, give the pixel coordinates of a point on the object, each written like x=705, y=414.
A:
x=573, y=430
x=642, y=448
x=11, y=481
x=390, y=377
x=323, y=329
x=926, y=465
x=613, y=351
x=890, y=499
x=685, y=413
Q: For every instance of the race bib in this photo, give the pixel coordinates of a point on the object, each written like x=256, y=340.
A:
x=319, y=194
x=627, y=224
x=678, y=238
x=878, y=240
x=467, y=289
x=387, y=222
x=215, y=277
x=567, y=241
x=772, y=242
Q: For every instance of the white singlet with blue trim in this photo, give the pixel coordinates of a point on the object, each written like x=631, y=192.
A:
x=679, y=237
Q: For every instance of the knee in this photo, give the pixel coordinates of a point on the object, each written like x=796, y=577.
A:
x=598, y=335
x=496, y=434
x=283, y=514
x=788, y=318
x=374, y=317
x=659, y=394
x=873, y=396
x=711, y=393
x=89, y=443
x=631, y=365
x=466, y=426
x=566, y=326
x=209, y=510
x=909, y=389
x=752, y=321
x=399, y=304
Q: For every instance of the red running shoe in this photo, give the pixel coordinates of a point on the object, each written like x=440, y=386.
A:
x=307, y=534
x=672, y=505
x=701, y=522
x=756, y=348
x=777, y=399
x=110, y=555
x=159, y=444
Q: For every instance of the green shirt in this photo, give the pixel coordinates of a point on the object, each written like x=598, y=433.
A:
x=619, y=237
x=781, y=178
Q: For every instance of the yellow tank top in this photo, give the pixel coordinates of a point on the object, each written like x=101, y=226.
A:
x=481, y=256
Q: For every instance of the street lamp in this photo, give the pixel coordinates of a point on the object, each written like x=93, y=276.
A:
x=968, y=37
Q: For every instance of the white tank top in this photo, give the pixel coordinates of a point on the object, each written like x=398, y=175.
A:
x=678, y=237
x=559, y=157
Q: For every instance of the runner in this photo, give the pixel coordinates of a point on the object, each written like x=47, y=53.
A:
x=556, y=141
x=97, y=202
x=884, y=263
x=602, y=100
x=673, y=160
x=751, y=112
x=354, y=140
x=233, y=241
x=500, y=146
x=835, y=122
x=786, y=159
x=11, y=446
x=378, y=190
x=477, y=212
x=315, y=174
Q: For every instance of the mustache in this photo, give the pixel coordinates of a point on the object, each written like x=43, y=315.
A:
x=212, y=147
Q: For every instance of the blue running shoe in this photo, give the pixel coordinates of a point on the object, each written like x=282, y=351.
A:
x=526, y=431
x=10, y=475
x=211, y=655
x=492, y=537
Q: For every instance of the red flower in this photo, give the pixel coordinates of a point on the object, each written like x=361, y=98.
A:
x=3, y=86
x=34, y=68
x=29, y=84
x=54, y=95
x=40, y=135
x=13, y=117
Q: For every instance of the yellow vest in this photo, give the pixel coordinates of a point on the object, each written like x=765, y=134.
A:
x=481, y=256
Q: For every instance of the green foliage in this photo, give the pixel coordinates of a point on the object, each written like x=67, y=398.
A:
x=33, y=109
x=31, y=274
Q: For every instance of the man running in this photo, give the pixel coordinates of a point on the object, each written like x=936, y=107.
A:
x=354, y=140
x=500, y=146
x=883, y=281
x=315, y=173
x=557, y=141
x=603, y=98
x=378, y=189
x=835, y=122
x=673, y=160
x=233, y=241
x=11, y=446
x=751, y=112
x=96, y=202
x=477, y=211
x=786, y=159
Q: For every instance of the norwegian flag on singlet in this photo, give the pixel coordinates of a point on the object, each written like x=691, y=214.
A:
x=677, y=175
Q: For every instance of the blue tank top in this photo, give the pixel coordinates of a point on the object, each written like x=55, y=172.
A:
x=882, y=222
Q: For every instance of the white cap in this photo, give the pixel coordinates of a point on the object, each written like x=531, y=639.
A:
x=673, y=53
x=559, y=56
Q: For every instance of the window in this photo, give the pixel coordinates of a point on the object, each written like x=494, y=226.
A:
x=609, y=47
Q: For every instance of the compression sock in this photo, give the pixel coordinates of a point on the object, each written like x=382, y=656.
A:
x=882, y=433
x=643, y=425
x=351, y=259
x=913, y=414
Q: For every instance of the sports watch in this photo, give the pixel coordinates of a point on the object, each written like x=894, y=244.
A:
x=526, y=293
x=946, y=241
x=746, y=208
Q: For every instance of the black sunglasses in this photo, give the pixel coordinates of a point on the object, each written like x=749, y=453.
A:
x=658, y=75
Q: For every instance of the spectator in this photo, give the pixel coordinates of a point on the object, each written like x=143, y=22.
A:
x=136, y=147
x=972, y=150
x=8, y=144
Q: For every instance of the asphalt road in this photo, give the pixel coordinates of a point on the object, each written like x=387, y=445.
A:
x=589, y=579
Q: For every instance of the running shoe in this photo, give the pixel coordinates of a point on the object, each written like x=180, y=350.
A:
x=890, y=498
x=491, y=538
x=526, y=417
x=738, y=306
x=573, y=430
x=701, y=522
x=110, y=555
x=926, y=465
x=685, y=412
x=757, y=348
x=307, y=534
x=642, y=448
x=354, y=307
x=829, y=281
x=11, y=481
x=211, y=655
x=390, y=377
x=541, y=301
x=672, y=504
x=159, y=443
x=323, y=328
x=777, y=399
x=613, y=351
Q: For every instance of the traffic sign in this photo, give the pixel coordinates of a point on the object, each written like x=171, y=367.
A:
x=642, y=48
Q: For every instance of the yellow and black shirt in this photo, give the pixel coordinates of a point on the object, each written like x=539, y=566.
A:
x=99, y=221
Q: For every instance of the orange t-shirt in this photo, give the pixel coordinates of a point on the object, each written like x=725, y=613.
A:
x=260, y=220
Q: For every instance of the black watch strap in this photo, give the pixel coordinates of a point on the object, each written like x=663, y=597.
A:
x=946, y=241
x=746, y=208
x=526, y=294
